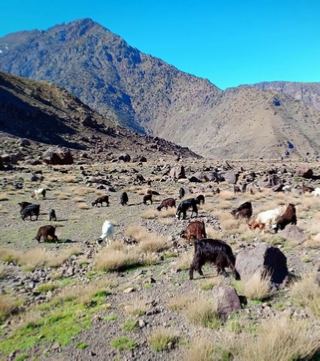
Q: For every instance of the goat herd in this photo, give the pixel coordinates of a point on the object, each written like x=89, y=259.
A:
x=206, y=250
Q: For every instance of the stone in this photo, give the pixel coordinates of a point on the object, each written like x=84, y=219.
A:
x=227, y=299
x=263, y=258
x=293, y=233
x=57, y=155
x=177, y=172
x=129, y=290
x=305, y=173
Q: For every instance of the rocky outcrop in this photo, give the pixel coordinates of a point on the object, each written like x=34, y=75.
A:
x=263, y=258
x=57, y=156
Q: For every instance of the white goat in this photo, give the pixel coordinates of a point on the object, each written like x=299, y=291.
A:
x=266, y=218
x=316, y=192
x=37, y=192
x=287, y=188
x=107, y=233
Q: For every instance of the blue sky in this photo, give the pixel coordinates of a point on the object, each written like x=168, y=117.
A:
x=229, y=42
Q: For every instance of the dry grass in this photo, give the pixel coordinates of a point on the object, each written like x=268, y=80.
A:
x=165, y=221
x=37, y=256
x=179, y=302
x=257, y=287
x=226, y=195
x=203, y=312
x=162, y=339
x=307, y=295
x=137, y=232
x=4, y=271
x=280, y=339
x=3, y=197
x=7, y=306
x=167, y=213
x=83, y=206
x=222, y=205
x=78, y=199
x=184, y=261
x=69, y=179
x=62, y=196
x=138, y=307
x=149, y=214
x=81, y=191
x=200, y=349
x=116, y=260
x=154, y=243
x=213, y=233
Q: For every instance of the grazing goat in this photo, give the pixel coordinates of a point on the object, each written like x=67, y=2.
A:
x=31, y=210
x=23, y=205
x=288, y=217
x=37, y=192
x=168, y=202
x=124, y=198
x=146, y=198
x=215, y=251
x=101, y=200
x=195, y=229
x=236, y=189
x=107, y=233
x=243, y=211
x=185, y=205
x=265, y=218
x=200, y=199
x=52, y=215
x=316, y=192
x=47, y=233
x=181, y=193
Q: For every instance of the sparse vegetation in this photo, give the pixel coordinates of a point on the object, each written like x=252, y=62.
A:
x=162, y=339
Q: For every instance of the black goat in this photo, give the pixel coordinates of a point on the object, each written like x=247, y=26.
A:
x=124, y=198
x=181, y=193
x=52, y=215
x=243, y=211
x=185, y=205
x=31, y=210
x=217, y=252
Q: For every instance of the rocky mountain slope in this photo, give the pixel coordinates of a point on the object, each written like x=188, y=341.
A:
x=47, y=114
x=308, y=93
x=147, y=95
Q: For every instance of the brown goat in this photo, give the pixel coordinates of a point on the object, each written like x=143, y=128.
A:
x=168, y=202
x=236, y=189
x=23, y=205
x=146, y=198
x=100, y=200
x=288, y=217
x=47, y=233
x=195, y=229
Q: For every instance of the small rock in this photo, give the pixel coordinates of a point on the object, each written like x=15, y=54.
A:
x=129, y=290
x=141, y=323
x=55, y=346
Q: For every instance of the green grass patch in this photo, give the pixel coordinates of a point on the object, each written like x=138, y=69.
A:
x=81, y=345
x=147, y=286
x=61, y=321
x=162, y=340
x=123, y=343
x=22, y=357
x=46, y=287
x=110, y=318
x=130, y=325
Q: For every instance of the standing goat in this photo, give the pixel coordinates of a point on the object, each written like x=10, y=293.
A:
x=37, y=192
x=107, y=233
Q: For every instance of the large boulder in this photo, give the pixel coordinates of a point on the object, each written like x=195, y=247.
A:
x=293, y=233
x=177, y=172
x=201, y=176
x=263, y=258
x=57, y=155
x=227, y=299
x=230, y=176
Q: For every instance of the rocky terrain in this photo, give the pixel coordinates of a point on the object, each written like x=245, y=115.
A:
x=132, y=299
x=308, y=93
x=44, y=115
x=147, y=95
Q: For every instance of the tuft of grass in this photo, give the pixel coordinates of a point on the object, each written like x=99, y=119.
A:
x=114, y=260
x=130, y=325
x=4, y=272
x=110, y=318
x=155, y=243
x=123, y=343
x=257, y=287
x=161, y=340
x=149, y=214
x=81, y=191
x=184, y=261
x=7, y=307
x=280, y=339
x=3, y=197
x=137, y=308
x=83, y=206
x=136, y=232
x=204, y=313
x=307, y=295
x=62, y=196
x=81, y=345
x=78, y=200
x=167, y=213
x=46, y=287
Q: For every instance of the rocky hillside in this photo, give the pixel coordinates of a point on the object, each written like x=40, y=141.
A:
x=47, y=114
x=147, y=95
x=308, y=93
